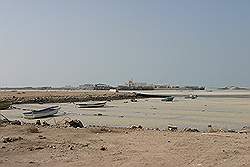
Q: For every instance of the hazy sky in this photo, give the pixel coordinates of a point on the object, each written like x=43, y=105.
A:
x=59, y=42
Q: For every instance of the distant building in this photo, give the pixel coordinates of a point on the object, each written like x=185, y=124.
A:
x=102, y=87
x=87, y=87
x=131, y=85
x=136, y=84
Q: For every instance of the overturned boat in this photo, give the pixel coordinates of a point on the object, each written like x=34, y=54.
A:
x=44, y=112
x=91, y=104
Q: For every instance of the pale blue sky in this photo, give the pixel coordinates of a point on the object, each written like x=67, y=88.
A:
x=59, y=42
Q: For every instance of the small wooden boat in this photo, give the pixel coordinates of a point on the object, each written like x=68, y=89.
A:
x=45, y=112
x=166, y=99
x=91, y=104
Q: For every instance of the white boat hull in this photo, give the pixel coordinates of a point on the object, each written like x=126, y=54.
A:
x=91, y=105
x=41, y=113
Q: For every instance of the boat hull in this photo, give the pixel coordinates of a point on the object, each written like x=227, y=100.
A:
x=91, y=105
x=145, y=95
x=191, y=97
x=41, y=113
x=167, y=99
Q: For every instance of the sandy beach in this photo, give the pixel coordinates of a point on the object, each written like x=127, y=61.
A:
x=121, y=147
x=108, y=140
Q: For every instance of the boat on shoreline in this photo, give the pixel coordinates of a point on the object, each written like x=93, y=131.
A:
x=91, y=104
x=45, y=112
x=191, y=96
x=147, y=95
x=167, y=99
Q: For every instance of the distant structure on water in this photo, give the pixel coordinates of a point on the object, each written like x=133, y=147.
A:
x=131, y=85
x=98, y=86
x=87, y=87
x=102, y=87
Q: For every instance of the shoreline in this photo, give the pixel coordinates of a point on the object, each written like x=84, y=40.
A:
x=200, y=93
x=65, y=96
x=221, y=113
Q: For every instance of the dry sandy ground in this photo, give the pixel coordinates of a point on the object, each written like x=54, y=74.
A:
x=60, y=147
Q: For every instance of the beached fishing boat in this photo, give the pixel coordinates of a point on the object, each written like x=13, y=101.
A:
x=91, y=104
x=170, y=98
x=148, y=95
x=45, y=112
x=191, y=96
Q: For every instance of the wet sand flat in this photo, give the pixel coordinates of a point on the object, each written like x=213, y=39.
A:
x=203, y=93
x=227, y=113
